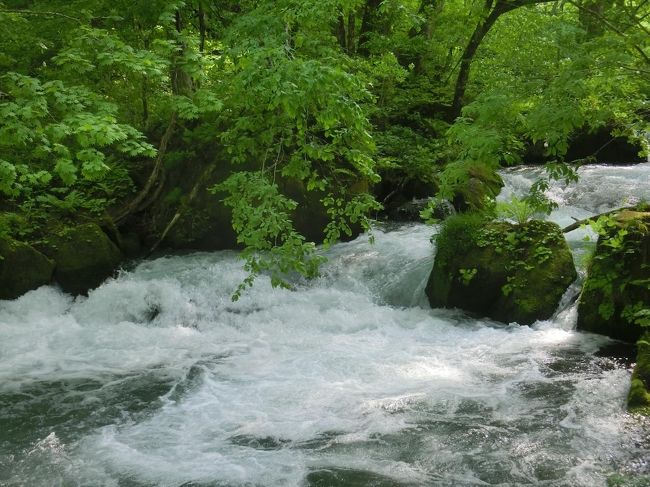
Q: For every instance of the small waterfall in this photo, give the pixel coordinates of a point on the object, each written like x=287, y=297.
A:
x=158, y=378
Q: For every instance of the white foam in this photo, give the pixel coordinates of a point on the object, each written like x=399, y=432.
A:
x=352, y=371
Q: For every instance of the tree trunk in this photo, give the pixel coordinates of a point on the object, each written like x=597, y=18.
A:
x=494, y=11
x=352, y=23
x=368, y=25
x=182, y=83
x=340, y=31
x=202, y=27
x=479, y=34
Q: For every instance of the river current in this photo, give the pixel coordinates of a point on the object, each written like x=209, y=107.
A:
x=158, y=379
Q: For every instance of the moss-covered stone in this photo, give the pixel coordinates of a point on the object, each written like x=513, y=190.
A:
x=511, y=273
x=638, y=399
x=22, y=268
x=483, y=183
x=618, y=281
x=84, y=256
x=205, y=221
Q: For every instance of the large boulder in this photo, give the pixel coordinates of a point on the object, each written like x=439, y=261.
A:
x=22, y=268
x=617, y=288
x=204, y=222
x=482, y=183
x=508, y=272
x=638, y=399
x=599, y=146
x=85, y=256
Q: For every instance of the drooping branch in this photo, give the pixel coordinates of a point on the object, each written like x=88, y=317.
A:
x=200, y=183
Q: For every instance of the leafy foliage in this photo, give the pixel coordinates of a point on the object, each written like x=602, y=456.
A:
x=55, y=137
x=331, y=94
x=261, y=217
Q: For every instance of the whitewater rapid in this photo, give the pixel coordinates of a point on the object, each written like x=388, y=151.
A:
x=158, y=379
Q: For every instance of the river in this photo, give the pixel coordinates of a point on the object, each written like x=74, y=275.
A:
x=158, y=379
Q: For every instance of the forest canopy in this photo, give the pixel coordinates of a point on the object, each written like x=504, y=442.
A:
x=103, y=104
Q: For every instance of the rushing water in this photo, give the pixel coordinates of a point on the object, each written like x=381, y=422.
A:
x=158, y=379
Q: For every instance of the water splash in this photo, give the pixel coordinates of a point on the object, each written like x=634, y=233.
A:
x=157, y=378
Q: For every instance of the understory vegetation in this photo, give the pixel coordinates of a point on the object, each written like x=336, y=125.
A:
x=103, y=104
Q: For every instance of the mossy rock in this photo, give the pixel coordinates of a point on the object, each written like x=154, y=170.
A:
x=638, y=400
x=510, y=273
x=205, y=222
x=22, y=268
x=483, y=183
x=618, y=279
x=85, y=256
x=310, y=216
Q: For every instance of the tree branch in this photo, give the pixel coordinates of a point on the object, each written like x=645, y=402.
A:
x=494, y=11
x=579, y=223
x=611, y=27
x=45, y=14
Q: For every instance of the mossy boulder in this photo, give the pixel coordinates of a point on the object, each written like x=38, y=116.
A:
x=205, y=222
x=22, y=268
x=508, y=272
x=617, y=288
x=638, y=400
x=482, y=184
x=85, y=256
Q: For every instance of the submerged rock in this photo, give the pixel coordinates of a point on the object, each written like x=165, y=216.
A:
x=22, y=268
x=85, y=256
x=617, y=289
x=508, y=272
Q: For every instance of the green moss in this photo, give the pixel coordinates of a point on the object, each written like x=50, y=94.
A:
x=519, y=272
x=638, y=399
x=457, y=234
x=483, y=184
x=617, y=281
x=84, y=256
x=22, y=268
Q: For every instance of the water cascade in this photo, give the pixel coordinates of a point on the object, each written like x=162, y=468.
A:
x=158, y=378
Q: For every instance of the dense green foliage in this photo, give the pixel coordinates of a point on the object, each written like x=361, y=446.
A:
x=99, y=99
x=616, y=296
